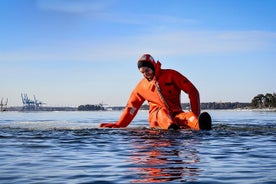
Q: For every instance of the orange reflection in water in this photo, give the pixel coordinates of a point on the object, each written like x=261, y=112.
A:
x=160, y=157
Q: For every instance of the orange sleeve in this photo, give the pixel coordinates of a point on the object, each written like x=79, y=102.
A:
x=133, y=105
x=194, y=100
x=188, y=87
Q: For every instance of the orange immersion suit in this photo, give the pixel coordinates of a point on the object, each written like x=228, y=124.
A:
x=163, y=95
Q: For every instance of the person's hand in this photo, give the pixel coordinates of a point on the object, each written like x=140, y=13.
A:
x=109, y=125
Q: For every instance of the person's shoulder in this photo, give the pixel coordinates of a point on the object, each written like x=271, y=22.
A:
x=143, y=80
x=172, y=73
x=169, y=71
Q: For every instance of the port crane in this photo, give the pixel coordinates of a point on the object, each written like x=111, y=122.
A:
x=30, y=105
x=3, y=105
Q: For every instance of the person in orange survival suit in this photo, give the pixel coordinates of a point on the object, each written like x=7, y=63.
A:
x=162, y=89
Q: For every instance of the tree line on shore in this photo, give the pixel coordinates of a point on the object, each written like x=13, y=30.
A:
x=260, y=101
x=89, y=107
x=207, y=105
x=267, y=100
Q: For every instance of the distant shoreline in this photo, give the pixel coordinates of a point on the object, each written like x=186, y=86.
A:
x=265, y=110
x=185, y=107
x=245, y=109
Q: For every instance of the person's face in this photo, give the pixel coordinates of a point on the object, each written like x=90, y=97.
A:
x=147, y=72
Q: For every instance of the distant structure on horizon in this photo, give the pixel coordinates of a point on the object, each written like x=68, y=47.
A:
x=3, y=105
x=30, y=105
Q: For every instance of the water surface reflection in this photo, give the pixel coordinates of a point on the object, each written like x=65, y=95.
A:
x=161, y=156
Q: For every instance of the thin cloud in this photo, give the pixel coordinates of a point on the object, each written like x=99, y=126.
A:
x=73, y=6
x=107, y=10
x=214, y=42
x=175, y=43
x=147, y=19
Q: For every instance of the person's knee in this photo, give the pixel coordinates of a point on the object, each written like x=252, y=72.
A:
x=164, y=119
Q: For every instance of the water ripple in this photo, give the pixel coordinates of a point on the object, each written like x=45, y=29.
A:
x=72, y=149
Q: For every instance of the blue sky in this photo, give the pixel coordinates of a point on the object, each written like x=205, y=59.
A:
x=73, y=52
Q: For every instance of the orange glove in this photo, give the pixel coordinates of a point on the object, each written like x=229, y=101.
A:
x=109, y=125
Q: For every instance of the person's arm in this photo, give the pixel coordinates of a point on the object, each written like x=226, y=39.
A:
x=194, y=99
x=134, y=103
x=188, y=87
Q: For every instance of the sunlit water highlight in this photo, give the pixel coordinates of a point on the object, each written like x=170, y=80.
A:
x=68, y=147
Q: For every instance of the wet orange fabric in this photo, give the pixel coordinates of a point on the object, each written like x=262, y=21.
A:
x=171, y=83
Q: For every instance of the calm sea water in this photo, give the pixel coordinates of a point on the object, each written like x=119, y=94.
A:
x=68, y=147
